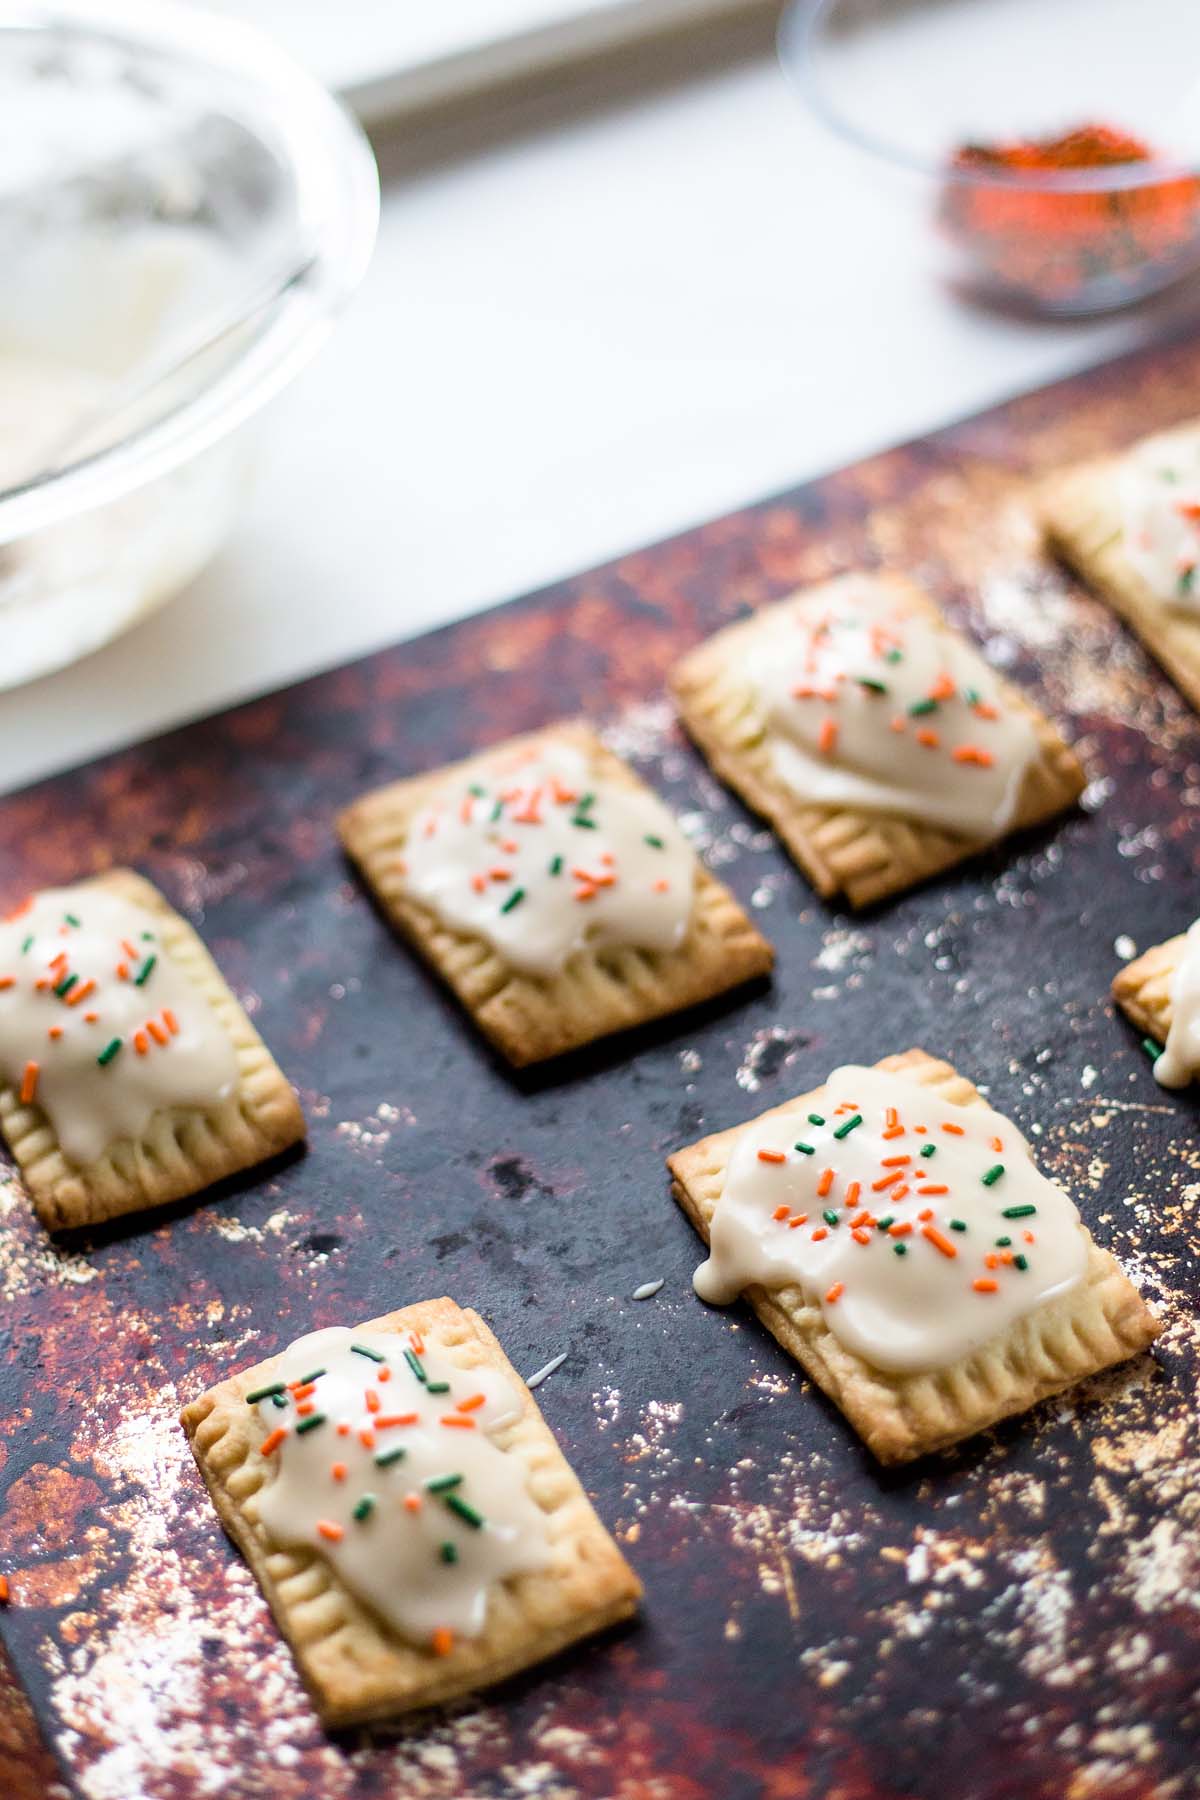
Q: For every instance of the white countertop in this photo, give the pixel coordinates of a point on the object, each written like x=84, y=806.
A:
x=595, y=317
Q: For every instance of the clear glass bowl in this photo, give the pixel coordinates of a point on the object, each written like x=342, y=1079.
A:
x=914, y=82
x=171, y=186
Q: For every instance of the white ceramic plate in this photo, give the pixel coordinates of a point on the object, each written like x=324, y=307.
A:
x=390, y=56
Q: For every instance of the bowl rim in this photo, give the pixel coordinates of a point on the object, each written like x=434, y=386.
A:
x=337, y=184
x=796, y=35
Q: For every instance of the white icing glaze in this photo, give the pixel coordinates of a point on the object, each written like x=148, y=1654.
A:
x=901, y=1298
x=1180, y=1059
x=383, y=1528
x=836, y=676
x=173, y=1049
x=541, y=859
x=1160, y=505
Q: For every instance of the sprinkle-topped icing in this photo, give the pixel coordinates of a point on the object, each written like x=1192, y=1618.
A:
x=1179, y=1060
x=542, y=859
x=1160, y=504
x=867, y=703
x=384, y=1458
x=914, y=1260
x=98, y=1026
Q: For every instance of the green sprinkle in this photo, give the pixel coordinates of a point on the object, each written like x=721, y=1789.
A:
x=144, y=973
x=147, y=937
x=899, y=1249
x=109, y=1051
x=991, y=1176
x=584, y=824
x=65, y=985
x=958, y=1224
x=1003, y=1243
x=845, y=1130
x=441, y=1484
x=449, y=1552
x=587, y=800
x=480, y=793
x=437, y=1387
x=386, y=1458
x=467, y=1513
x=264, y=1393
x=815, y=1119
x=655, y=843
x=497, y=810
x=72, y=920
x=1168, y=475
x=928, y=1149
x=882, y=1224
x=830, y=1218
x=310, y=1424
x=804, y=1149
x=919, y=707
x=279, y=1400
x=867, y=681
x=1020, y=1262
x=27, y=946
x=371, y=1355
x=556, y=865
x=1018, y=1212
x=1187, y=580
x=894, y=656
x=1153, y=1050
x=305, y=1379
x=514, y=899
x=365, y=1507
x=415, y=1365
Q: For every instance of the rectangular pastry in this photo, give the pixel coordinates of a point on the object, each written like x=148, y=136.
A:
x=1160, y=992
x=129, y=1074
x=873, y=737
x=1129, y=525
x=894, y=1234
x=552, y=891
x=406, y=1511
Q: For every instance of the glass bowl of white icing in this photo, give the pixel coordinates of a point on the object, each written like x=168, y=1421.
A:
x=183, y=215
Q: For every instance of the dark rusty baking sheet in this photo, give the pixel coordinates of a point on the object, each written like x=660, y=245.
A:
x=1016, y=1621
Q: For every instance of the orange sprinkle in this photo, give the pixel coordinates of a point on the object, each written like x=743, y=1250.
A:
x=771, y=1156
x=860, y=1236
x=954, y=1130
x=943, y=688
x=458, y=1420
x=819, y=1233
x=416, y=1343
x=894, y=1131
x=588, y=893
x=852, y=1192
x=997, y=1143
x=862, y=1218
x=55, y=1032
x=781, y=1212
x=938, y=1241
x=885, y=1181
x=471, y=1403
x=467, y=808
x=305, y=1408
x=900, y=1229
x=302, y=1389
x=1029, y=1237
x=929, y=739
x=991, y=1260
x=7, y=981
x=372, y=1400
x=366, y=1438
x=385, y=1374
x=662, y=885
x=329, y=1528
x=442, y=1641
x=983, y=1284
x=898, y=723
x=129, y=950
x=894, y=1162
x=479, y=883
x=122, y=971
x=338, y=1471
x=827, y=736
x=5, y=1591
x=800, y=1219
x=835, y=1292
x=824, y=1183
x=29, y=1083
x=412, y=1502
x=80, y=993
x=498, y=874
x=141, y=1042
x=57, y=963
x=920, y=1130
x=383, y=1421
x=170, y=1021
x=898, y=1193
x=971, y=753
x=343, y=1429
x=983, y=709
x=927, y=1213
x=273, y=1442
x=936, y=1188
x=90, y=1018
x=891, y=1117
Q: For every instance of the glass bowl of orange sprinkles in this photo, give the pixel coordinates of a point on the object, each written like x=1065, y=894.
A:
x=1052, y=145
